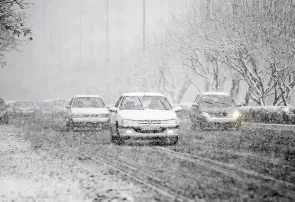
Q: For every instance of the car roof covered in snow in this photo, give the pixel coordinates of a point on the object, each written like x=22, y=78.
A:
x=215, y=93
x=87, y=96
x=143, y=94
x=24, y=101
x=47, y=100
x=10, y=101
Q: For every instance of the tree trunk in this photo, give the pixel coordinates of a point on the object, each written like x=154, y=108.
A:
x=234, y=91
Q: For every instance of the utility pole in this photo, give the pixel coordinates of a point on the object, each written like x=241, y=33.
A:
x=80, y=38
x=59, y=49
x=143, y=24
x=107, y=30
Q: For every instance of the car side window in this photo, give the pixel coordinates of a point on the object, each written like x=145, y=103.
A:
x=71, y=102
x=2, y=103
x=197, y=99
x=118, y=102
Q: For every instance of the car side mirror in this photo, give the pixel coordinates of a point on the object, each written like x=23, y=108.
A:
x=195, y=105
x=240, y=104
x=68, y=106
x=113, y=109
x=177, y=109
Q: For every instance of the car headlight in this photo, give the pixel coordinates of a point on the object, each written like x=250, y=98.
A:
x=170, y=122
x=205, y=114
x=128, y=122
x=236, y=114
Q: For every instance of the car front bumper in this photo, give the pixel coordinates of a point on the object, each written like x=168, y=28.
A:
x=132, y=133
x=90, y=120
x=24, y=113
x=216, y=122
x=221, y=120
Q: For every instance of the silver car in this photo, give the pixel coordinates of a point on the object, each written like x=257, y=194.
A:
x=24, y=108
x=214, y=110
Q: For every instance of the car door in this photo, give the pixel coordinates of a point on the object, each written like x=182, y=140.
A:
x=114, y=114
x=69, y=110
x=195, y=110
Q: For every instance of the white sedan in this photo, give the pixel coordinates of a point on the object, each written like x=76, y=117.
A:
x=144, y=116
x=87, y=110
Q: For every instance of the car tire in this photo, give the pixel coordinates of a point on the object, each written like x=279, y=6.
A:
x=6, y=119
x=69, y=126
x=193, y=126
x=238, y=126
x=172, y=140
x=197, y=125
x=115, y=138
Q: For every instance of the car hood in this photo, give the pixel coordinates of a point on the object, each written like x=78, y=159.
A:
x=218, y=109
x=147, y=114
x=90, y=111
x=25, y=108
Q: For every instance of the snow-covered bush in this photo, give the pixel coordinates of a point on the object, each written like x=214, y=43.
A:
x=268, y=114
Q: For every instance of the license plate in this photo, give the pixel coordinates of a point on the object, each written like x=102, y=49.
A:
x=151, y=128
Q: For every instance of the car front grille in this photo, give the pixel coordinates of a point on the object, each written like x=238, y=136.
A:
x=149, y=122
x=142, y=130
x=222, y=114
x=95, y=116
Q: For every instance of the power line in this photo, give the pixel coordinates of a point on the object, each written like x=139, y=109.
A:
x=107, y=30
x=143, y=23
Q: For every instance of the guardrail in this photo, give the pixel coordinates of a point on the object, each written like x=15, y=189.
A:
x=276, y=127
x=249, y=125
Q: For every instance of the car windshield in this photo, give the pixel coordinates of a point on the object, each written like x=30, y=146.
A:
x=59, y=103
x=145, y=102
x=24, y=104
x=47, y=105
x=88, y=102
x=217, y=101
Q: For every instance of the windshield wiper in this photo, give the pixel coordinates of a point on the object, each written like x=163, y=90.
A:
x=141, y=103
x=224, y=103
x=208, y=102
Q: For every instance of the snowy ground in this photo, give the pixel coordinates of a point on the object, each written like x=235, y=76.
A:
x=39, y=172
x=209, y=165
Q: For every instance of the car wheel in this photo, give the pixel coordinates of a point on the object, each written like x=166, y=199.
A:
x=238, y=126
x=193, y=126
x=198, y=125
x=69, y=126
x=6, y=119
x=172, y=140
x=115, y=138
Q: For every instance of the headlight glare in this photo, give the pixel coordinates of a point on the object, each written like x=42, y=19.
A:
x=236, y=114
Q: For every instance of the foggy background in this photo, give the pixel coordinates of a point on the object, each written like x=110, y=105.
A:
x=68, y=54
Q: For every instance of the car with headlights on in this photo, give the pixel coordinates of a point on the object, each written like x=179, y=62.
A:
x=145, y=116
x=3, y=112
x=87, y=111
x=25, y=108
x=214, y=110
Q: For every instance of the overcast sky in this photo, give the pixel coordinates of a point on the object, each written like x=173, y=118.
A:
x=53, y=64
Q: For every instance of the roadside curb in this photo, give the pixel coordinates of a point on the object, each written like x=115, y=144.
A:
x=279, y=127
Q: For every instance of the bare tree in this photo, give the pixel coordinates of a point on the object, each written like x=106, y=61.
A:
x=169, y=75
x=12, y=25
x=253, y=38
